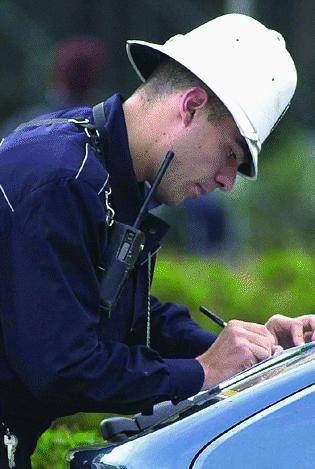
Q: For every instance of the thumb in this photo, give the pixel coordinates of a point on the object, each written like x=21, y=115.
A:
x=297, y=333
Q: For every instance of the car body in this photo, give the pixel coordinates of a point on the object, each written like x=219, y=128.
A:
x=263, y=417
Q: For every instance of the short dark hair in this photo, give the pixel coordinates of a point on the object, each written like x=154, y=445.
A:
x=170, y=76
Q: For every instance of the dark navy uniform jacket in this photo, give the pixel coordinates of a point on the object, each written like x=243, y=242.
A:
x=59, y=353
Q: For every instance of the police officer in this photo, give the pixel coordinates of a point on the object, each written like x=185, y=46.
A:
x=212, y=97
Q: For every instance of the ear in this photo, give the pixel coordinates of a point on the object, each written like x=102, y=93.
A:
x=191, y=101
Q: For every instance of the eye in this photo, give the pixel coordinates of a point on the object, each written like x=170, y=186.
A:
x=232, y=156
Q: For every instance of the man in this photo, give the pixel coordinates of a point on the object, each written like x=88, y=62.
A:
x=61, y=353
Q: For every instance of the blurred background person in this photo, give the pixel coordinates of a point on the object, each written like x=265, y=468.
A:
x=78, y=72
x=79, y=69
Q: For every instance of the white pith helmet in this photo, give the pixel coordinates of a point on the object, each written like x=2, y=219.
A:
x=244, y=63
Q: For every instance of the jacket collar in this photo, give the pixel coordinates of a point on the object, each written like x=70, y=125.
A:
x=127, y=194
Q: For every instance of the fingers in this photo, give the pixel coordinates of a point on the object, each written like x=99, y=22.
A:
x=303, y=329
x=253, y=327
x=290, y=332
x=248, y=354
x=255, y=333
x=259, y=353
x=309, y=336
x=250, y=326
x=252, y=342
x=260, y=341
x=308, y=323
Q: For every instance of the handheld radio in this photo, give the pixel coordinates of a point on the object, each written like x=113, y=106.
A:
x=125, y=245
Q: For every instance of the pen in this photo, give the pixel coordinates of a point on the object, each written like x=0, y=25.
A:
x=215, y=318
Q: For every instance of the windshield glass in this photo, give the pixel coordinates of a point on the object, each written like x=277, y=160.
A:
x=263, y=371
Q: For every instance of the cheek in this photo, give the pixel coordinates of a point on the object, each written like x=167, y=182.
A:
x=205, y=164
x=218, y=161
x=175, y=183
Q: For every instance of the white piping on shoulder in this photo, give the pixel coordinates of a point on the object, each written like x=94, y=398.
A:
x=103, y=186
x=1, y=142
x=82, y=166
x=84, y=160
x=6, y=198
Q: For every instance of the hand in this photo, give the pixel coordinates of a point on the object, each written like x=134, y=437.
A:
x=290, y=332
x=239, y=346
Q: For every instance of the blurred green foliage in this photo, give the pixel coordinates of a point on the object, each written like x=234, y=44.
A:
x=277, y=210
x=280, y=281
x=277, y=282
x=55, y=443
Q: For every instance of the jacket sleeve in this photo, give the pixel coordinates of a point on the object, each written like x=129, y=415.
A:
x=52, y=334
x=175, y=334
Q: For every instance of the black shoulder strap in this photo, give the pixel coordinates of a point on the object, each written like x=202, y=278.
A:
x=100, y=122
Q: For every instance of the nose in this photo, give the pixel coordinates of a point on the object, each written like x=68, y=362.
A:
x=226, y=179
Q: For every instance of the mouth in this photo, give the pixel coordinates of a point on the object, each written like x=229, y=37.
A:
x=196, y=190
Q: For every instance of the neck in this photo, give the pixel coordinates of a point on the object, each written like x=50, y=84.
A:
x=140, y=131
x=152, y=127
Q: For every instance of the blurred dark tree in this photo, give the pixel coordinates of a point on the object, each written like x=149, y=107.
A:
x=296, y=20
x=10, y=90
x=29, y=29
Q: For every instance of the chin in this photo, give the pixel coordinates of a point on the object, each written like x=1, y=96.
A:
x=172, y=199
x=170, y=202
